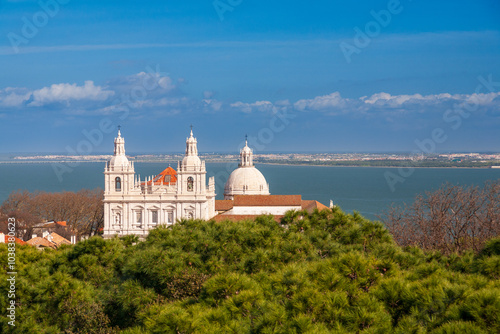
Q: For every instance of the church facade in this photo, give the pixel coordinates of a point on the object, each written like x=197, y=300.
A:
x=134, y=206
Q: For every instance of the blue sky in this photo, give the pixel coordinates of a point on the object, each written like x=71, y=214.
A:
x=294, y=76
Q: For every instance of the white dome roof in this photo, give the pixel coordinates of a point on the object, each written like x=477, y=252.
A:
x=191, y=160
x=119, y=161
x=246, y=181
x=246, y=149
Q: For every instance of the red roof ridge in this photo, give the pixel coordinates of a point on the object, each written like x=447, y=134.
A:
x=59, y=239
x=16, y=240
x=310, y=205
x=223, y=204
x=41, y=241
x=235, y=218
x=268, y=200
x=160, y=178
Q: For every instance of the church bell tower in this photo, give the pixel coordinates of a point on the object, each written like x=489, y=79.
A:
x=119, y=172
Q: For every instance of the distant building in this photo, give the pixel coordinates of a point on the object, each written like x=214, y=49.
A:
x=4, y=238
x=40, y=242
x=251, y=206
x=50, y=226
x=49, y=240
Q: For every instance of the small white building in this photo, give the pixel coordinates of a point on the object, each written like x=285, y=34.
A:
x=134, y=206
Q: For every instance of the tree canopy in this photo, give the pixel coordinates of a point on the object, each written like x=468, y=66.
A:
x=320, y=272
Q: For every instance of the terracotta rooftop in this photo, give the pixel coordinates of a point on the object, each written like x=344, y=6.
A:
x=58, y=240
x=42, y=242
x=234, y=218
x=51, y=224
x=223, y=205
x=311, y=205
x=167, y=177
x=17, y=240
x=52, y=240
x=268, y=200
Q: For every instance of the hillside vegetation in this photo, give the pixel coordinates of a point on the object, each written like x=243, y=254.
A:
x=325, y=272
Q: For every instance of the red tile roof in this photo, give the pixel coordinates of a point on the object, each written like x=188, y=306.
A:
x=53, y=240
x=235, y=218
x=167, y=177
x=42, y=242
x=310, y=205
x=61, y=223
x=268, y=200
x=223, y=205
x=263, y=200
x=58, y=240
x=16, y=240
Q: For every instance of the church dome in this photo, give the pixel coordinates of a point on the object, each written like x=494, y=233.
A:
x=119, y=161
x=191, y=160
x=246, y=181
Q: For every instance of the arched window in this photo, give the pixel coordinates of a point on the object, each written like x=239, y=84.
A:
x=118, y=184
x=190, y=184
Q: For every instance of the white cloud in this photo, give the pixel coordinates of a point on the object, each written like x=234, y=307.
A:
x=213, y=104
x=151, y=81
x=65, y=92
x=155, y=93
x=381, y=104
x=167, y=102
x=385, y=99
x=261, y=106
x=482, y=99
x=322, y=103
x=14, y=97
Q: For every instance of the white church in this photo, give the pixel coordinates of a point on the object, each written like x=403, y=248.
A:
x=135, y=206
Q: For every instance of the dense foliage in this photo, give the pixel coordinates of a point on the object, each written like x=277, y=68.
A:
x=325, y=272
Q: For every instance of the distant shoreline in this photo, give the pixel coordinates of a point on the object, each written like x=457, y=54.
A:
x=263, y=163
x=315, y=165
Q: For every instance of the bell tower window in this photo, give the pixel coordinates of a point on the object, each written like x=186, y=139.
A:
x=118, y=184
x=190, y=183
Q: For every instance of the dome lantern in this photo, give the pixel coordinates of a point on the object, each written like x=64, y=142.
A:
x=191, y=158
x=246, y=179
x=119, y=158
